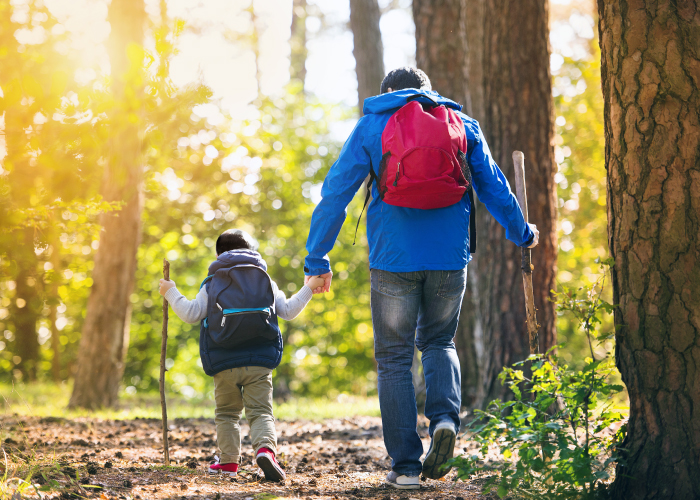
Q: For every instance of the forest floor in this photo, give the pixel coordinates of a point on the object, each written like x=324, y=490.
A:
x=122, y=459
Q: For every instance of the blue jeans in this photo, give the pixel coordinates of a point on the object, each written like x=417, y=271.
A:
x=420, y=307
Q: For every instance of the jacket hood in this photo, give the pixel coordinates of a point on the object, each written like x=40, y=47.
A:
x=235, y=257
x=394, y=100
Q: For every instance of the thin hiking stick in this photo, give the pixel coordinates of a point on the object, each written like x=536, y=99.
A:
x=526, y=264
x=163, y=348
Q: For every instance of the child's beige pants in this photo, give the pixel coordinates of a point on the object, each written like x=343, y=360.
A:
x=249, y=387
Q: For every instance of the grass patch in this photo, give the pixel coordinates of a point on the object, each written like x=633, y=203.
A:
x=173, y=468
x=322, y=409
x=42, y=399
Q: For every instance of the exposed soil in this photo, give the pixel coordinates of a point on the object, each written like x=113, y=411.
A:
x=123, y=459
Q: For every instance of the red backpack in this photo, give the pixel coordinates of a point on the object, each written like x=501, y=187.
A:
x=424, y=163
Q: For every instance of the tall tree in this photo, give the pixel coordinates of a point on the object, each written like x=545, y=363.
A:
x=650, y=53
x=443, y=58
x=23, y=99
x=27, y=304
x=367, y=48
x=297, y=41
x=498, y=66
x=105, y=334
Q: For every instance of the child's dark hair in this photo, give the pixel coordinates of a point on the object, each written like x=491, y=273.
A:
x=405, y=78
x=235, y=239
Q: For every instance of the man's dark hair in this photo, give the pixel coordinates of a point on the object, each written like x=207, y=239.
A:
x=405, y=78
x=235, y=239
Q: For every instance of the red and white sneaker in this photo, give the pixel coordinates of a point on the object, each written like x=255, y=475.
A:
x=219, y=468
x=266, y=460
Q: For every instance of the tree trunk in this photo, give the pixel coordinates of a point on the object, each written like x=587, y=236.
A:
x=442, y=58
x=27, y=305
x=100, y=363
x=297, y=42
x=651, y=85
x=255, y=45
x=498, y=66
x=440, y=45
x=368, y=49
x=52, y=302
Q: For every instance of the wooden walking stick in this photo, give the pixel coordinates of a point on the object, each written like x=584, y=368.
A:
x=526, y=265
x=163, y=348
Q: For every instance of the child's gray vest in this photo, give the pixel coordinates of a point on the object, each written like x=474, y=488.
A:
x=241, y=325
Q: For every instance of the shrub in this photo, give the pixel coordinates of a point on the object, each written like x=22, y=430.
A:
x=554, y=439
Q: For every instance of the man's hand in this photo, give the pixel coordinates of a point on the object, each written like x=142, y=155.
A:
x=327, y=283
x=536, y=239
x=165, y=285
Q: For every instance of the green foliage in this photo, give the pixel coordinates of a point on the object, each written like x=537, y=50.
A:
x=556, y=438
x=581, y=180
x=49, y=175
x=204, y=171
x=258, y=174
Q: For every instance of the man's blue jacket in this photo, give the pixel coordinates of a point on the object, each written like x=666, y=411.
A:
x=408, y=239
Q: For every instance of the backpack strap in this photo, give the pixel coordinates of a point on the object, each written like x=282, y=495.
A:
x=472, y=221
x=415, y=97
x=372, y=177
x=206, y=280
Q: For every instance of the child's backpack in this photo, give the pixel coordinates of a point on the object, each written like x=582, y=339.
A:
x=424, y=162
x=241, y=308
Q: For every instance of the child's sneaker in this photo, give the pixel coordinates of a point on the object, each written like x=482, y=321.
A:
x=219, y=468
x=268, y=463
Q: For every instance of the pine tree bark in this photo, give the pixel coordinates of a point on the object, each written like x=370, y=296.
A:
x=297, y=42
x=651, y=85
x=441, y=45
x=498, y=66
x=105, y=336
x=367, y=49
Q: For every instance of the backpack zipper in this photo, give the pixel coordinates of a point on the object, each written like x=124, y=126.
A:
x=235, y=312
x=398, y=166
x=223, y=318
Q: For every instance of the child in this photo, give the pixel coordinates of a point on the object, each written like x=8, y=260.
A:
x=240, y=344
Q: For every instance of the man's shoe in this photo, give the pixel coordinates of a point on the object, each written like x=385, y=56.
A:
x=442, y=448
x=268, y=463
x=398, y=481
x=219, y=468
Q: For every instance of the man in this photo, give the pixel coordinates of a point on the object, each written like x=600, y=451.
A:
x=418, y=262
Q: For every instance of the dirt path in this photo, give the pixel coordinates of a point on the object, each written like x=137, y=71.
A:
x=336, y=459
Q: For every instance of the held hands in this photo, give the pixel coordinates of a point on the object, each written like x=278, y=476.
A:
x=536, y=239
x=319, y=284
x=315, y=282
x=165, y=285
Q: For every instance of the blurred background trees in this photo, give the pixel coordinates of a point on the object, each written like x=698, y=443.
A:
x=242, y=140
x=105, y=333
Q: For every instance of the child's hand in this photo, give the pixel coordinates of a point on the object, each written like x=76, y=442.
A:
x=165, y=285
x=315, y=282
